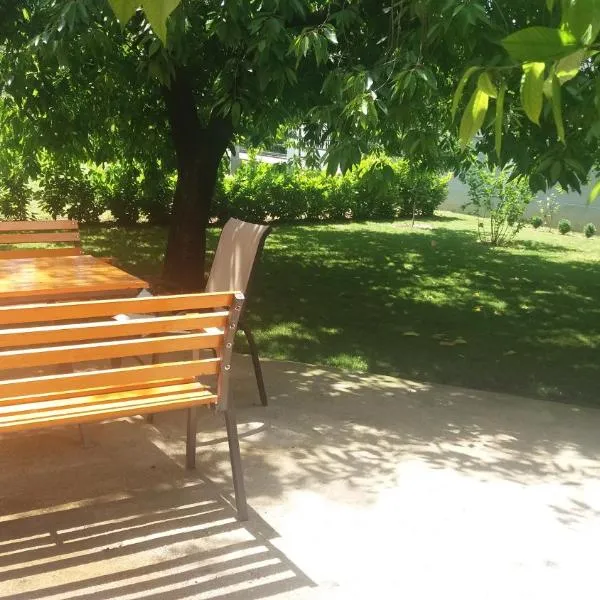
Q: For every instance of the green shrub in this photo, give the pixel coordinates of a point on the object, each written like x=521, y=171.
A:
x=67, y=190
x=589, y=230
x=564, y=226
x=537, y=221
x=14, y=198
x=378, y=188
x=499, y=200
x=117, y=185
x=549, y=207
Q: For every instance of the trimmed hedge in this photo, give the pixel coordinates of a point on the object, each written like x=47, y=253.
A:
x=379, y=188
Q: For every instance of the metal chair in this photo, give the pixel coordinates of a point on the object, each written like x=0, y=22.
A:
x=239, y=247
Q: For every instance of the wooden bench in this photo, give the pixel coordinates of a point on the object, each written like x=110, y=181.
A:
x=16, y=233
x=58, y=337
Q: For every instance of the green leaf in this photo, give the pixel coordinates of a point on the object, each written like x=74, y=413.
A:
x=594, y=193
x=582, y=19
x=532, y=90
x=473, y=117
x=329, y=33
x=568, y=67
x=499, y=118
x=460, y=88
x=550, y=5
x=158, y=12
x=124, y=9
x=539, y=44
x=548, y=83
x=485, y=84
x=557, y=109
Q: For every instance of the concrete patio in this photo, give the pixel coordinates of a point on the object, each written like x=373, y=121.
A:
x=360, y=487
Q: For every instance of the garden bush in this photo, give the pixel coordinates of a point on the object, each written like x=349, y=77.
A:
x=69, y=190
x=564, y=226
x=537, y=221
x=589, y=230
x=499, y=201
x=379, y=188
x=14, y=198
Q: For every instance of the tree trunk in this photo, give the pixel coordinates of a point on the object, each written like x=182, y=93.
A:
x=198, y=152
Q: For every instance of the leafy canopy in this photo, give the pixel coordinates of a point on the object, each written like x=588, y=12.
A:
x=554, y=67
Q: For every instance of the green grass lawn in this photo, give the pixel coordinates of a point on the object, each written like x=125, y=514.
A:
x=429, y=303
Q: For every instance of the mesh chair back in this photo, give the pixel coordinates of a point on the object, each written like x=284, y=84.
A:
x=239, y=246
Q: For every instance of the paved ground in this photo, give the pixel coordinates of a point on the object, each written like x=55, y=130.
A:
x=360, y=488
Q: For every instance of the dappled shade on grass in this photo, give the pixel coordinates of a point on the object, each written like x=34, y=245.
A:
x=428, y=303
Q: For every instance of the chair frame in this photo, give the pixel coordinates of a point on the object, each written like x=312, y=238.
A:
x=243, y=326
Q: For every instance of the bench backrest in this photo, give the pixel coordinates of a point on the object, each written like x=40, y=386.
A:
x=57, y=338
x=17, y=233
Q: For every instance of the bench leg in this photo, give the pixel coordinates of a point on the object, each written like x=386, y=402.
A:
x=236, y=466
x=190, y=446
x=256, y=363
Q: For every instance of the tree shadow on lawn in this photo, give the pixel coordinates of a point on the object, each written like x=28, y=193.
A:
x=536, y=246
x=138, y=249
x=431, y=306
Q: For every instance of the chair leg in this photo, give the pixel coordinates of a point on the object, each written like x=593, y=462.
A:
x=236, y=466
x=190, y=446
x=256, y=362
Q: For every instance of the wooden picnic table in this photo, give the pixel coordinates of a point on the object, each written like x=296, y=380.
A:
x=49, y=278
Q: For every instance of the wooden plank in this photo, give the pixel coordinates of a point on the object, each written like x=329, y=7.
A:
x=38, y=238
x=94, y=391
x=59, y=355
x=84, y=396
x=72, y=311
x=41, y=252
x=78, y=332
x=38, y=225
x=138, y=394
x=65, y=275
x=101, y=412
x=25, y=389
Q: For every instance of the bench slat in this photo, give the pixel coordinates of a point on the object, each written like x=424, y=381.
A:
x=23, y=390
x=135, y=393
x=38, y=238
x=57, y=401
x=75, y=353
x=76, y=332
x=96, y=391
x=73, y=311
x=38, y=225
x=41, y=252
x=99, y=409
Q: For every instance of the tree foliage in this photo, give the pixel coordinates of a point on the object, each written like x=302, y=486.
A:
x=548, y=62
x=173, y=84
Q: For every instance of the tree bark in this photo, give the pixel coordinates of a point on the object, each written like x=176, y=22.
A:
x=198, y=151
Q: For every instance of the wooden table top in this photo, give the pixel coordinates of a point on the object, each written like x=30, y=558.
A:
x=58, y=277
